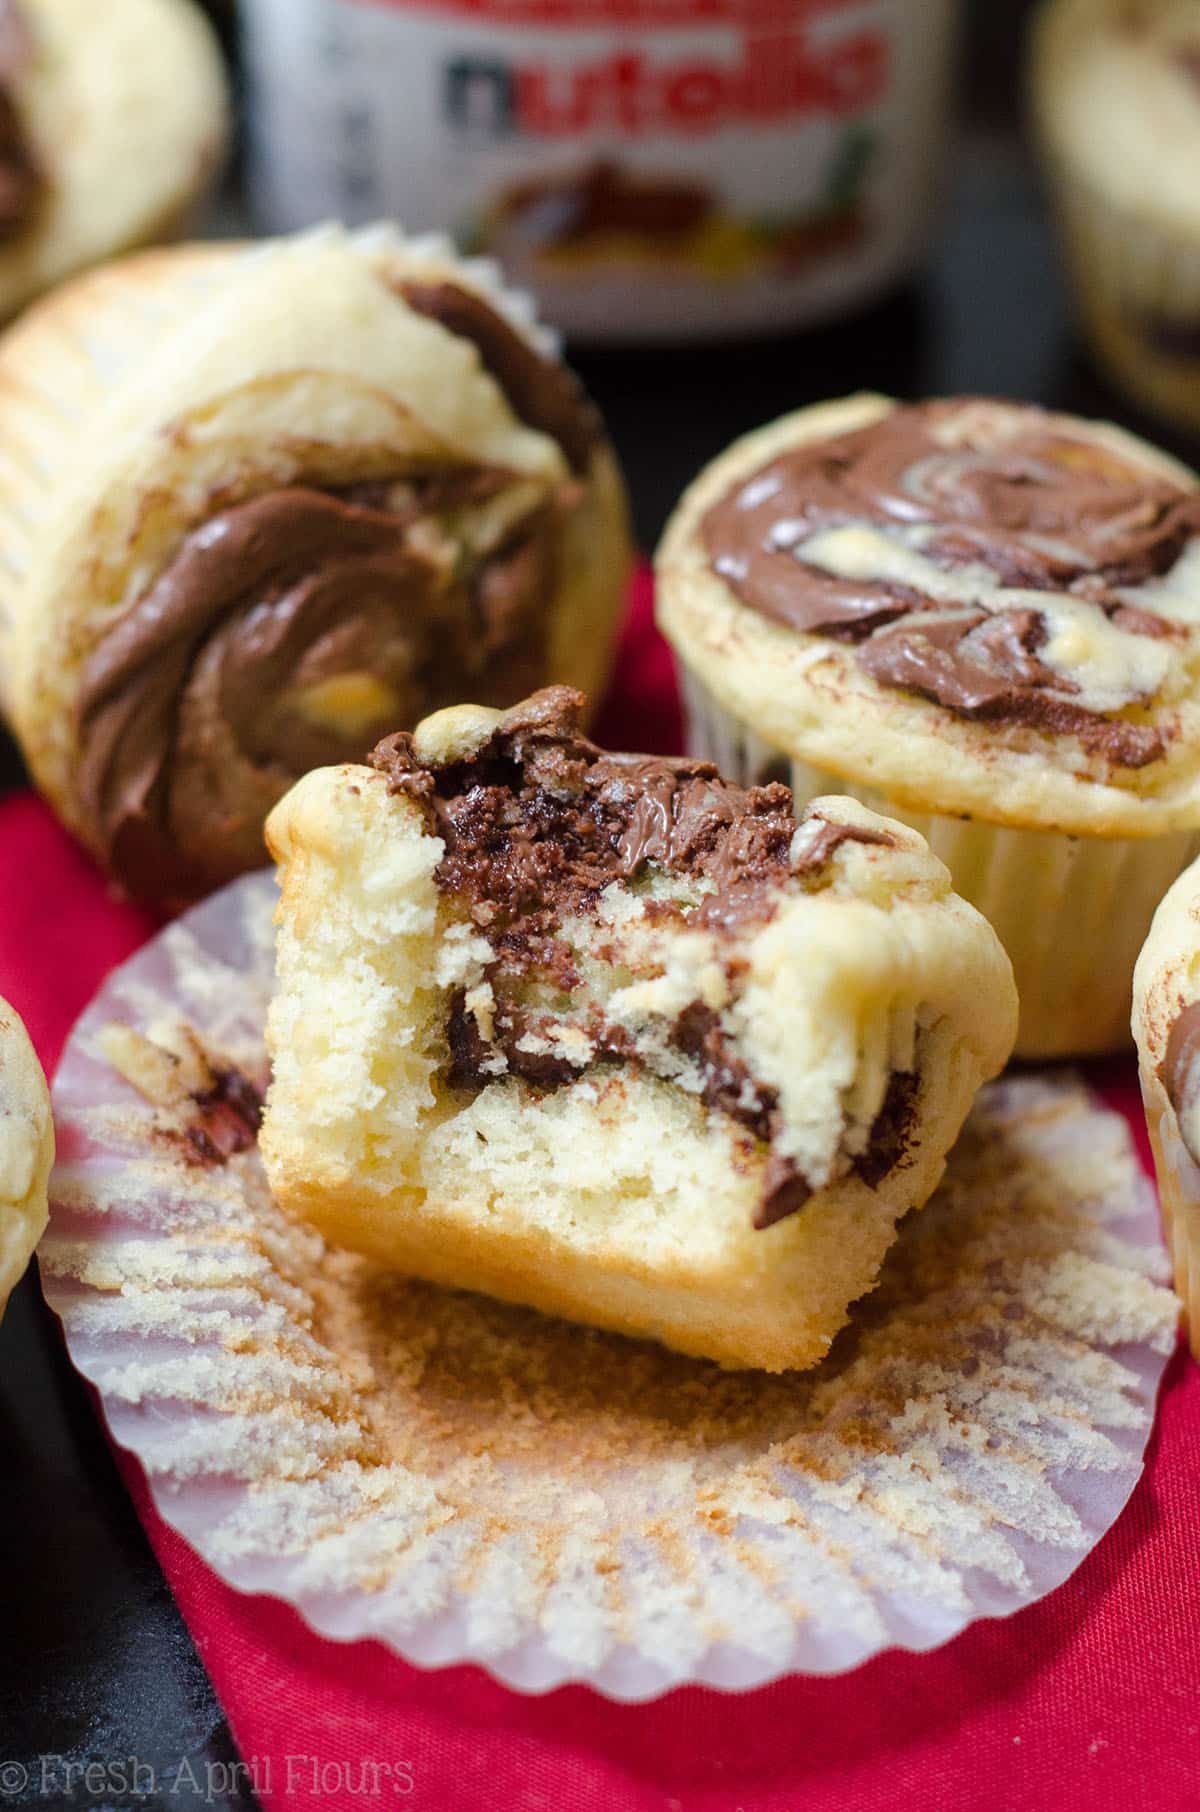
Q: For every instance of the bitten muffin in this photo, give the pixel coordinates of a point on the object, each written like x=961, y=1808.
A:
x=1166, y=1025
x=1116, y=102
x=26, y=1151
x=613, y=1037
x=260, y=506
x=981, y=618
x=114, y=119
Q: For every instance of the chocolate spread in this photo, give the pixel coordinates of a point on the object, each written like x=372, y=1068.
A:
x=190, y=712
x=1179, y=1070
x=540, y=392
x=1040, y=510
x=21, y=177
x=538, y=822
x=227, y=1119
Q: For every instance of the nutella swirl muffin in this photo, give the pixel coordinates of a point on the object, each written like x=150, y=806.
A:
x=1116, y=102
x=114, y=120
x=614, y=1037
x=26, y=1151
x=1166, y=1025
x=261, y=506
x=981, y=618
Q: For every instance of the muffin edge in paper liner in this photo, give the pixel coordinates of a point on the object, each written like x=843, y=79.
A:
x=1071, y=911
x=1179, y=1196
x=468, y=1481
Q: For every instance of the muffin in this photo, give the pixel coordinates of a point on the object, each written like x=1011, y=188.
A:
x=26, y=1151
x=1116, y=102
x=261, y=506
x=114, y=119
x=613, y=1037
x=980, y=618
x=1166, y=1025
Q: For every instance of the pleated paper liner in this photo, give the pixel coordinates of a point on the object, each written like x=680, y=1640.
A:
x=1072, y=912
x=466, y=1481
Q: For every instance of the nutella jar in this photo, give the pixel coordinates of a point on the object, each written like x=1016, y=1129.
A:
x=649, y=169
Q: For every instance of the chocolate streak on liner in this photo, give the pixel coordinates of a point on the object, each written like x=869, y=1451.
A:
x=1003, y=508
x=539, y=821
x=227, y=1121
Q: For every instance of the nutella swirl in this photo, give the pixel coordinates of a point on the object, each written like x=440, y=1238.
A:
x=541, y=392
x=539, y=822
x=980, y=555
x=22, y=181
x=289, y=631
x=297, y=627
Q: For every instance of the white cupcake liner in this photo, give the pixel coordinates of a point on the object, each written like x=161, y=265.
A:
x=1072, y=912
x=465, y=1481
x=1131, y=273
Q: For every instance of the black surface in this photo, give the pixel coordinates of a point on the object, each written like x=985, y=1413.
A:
x=94, y=1661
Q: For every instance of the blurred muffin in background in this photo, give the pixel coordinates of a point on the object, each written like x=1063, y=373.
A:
x=114, y=118
x=1116, y=102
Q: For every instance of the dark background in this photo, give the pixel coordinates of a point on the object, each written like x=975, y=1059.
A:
x=94, y=1661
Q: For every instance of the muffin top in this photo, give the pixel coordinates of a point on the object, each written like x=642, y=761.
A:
x=600, y=919
x=981, y=607
x=1117, y=91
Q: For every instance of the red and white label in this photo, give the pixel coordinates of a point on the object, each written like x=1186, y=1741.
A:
x=645, y=165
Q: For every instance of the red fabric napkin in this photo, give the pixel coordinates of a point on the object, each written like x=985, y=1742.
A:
x=1089, y=1701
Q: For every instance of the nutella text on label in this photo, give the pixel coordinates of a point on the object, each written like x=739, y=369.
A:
x=650, y=168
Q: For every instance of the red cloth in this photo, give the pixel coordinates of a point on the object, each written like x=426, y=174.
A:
x=1087, y=1702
